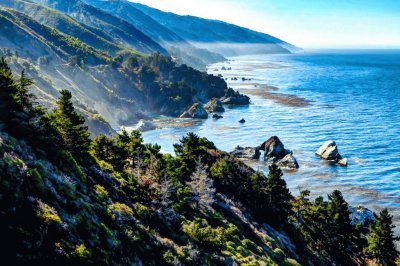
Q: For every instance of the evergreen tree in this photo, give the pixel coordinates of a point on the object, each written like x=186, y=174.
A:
x=341, y=233
x=70, y=126
x=23, y=96
x=381, y=239
x=9, y=106
x=279, y=195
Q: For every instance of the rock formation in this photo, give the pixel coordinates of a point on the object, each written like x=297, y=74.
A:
x=196, y=111
x=214, y=106
x=234, y=97
x=329, y=152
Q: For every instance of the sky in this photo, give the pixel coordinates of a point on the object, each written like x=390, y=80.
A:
x=347, y=24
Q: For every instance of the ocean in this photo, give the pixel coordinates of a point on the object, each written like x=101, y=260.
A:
x=351, y=97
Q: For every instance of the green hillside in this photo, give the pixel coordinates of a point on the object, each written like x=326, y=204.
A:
x=67, y=199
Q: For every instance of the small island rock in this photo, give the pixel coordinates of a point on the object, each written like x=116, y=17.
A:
x=242, y=121
x=275, y=153
x=289, y=161
x=361, y=215
x=329, y=151
x=214, y=105
x=273, y=147
x=217, y=116
x=235, y=98
x=144, y=125
x=196, y=111
x=246, y=153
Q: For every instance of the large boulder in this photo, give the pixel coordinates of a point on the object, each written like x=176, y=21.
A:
x=273, y=147
x=144, y=125
x=275, y=153
x=214, y=106
x=361, y=215
x=330, y=152
x=246, y=153
x=289, y=161
x=235, y=98
x=196, y=111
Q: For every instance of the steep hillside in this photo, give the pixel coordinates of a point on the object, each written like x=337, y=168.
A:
x=121, y=89
x=217, y=36
x=52, y=18
x=120, y=30
x=67, y=199
x=183, y=51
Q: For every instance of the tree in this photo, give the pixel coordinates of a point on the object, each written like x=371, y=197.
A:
x=202, y=187
x=279, y=195
x=9, y=106
x=341, y=232
x=23, y=96
x=70, y=126
x=381, y=240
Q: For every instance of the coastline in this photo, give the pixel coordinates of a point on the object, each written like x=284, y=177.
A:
x=267, y=117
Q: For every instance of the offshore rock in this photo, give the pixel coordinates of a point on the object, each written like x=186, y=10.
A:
x=144, y=125
x=235, y=98
x=361, y=215
x=275, y=153
x=289, y=161
x=196, y=111
x=329, y=151
x=214, y=106
x=217, y=116
x=273, y=147
x=246, y=153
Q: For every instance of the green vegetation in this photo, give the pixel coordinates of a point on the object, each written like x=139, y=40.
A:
x=66, y=199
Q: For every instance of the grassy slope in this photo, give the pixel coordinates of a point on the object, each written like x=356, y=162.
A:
x=120, y=30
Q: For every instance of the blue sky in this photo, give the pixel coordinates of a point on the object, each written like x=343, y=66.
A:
x=305, y=23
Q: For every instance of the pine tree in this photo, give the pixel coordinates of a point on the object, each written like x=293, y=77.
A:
x=341, y=232
x=23, y=96
x=70, y=126
x=279, y=195
x=9, y=106
x=381, y=240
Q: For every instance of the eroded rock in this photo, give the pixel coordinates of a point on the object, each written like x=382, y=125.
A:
x=234, y=97
x=330, y=152
x=361, y=215
x=144, y=125
x=275, y=153
x=214, y=105
x=289, y=161
x=195, y=111
x=246, y=153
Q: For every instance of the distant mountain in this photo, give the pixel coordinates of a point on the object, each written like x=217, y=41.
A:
x=111, y=81
x=50, y=17
x=217, y=36
x=118, y=29
x=177, y=46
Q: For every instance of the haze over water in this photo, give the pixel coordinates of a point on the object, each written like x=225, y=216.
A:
x=354, y=99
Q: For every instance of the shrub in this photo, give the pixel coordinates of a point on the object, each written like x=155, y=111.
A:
x=120, y=212
x=47, y=213
x=81, y=252
x=101, y=192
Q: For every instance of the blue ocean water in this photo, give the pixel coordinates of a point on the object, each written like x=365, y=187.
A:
x=354, y=99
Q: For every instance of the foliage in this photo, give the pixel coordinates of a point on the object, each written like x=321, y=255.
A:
x=66, y=199
x=381, y=240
